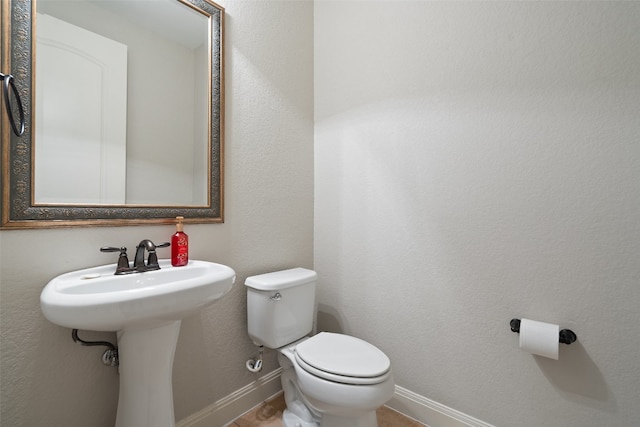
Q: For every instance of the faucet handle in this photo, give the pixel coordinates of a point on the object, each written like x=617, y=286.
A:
x=152, y=262
x=112, y=249
x=123, y=260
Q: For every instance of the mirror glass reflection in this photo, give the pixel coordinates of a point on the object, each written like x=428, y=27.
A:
x=121, y=103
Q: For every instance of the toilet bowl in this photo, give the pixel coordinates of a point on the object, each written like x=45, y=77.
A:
x=341, y=375
x=328, y=379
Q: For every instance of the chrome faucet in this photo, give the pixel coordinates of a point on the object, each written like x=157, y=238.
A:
x=152, y=260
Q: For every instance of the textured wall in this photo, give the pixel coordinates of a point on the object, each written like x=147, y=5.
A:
x=46, y=379
x=478, y=161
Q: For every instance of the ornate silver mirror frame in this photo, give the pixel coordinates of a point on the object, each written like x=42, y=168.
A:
x=18, y=209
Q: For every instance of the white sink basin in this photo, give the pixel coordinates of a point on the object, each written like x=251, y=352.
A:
x=146, y=310
x=96, y=299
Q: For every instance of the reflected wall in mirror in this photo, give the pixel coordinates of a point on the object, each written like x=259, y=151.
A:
x=124, y=123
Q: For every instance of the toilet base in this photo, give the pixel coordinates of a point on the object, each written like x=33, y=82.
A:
x=366, y=420
x=289, y=419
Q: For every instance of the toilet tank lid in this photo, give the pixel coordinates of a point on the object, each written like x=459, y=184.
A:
x=281, y=279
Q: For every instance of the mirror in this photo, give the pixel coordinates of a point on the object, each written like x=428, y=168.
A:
x=124, y=113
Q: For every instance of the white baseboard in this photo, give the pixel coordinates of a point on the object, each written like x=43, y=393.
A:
x=430, y=413
x=229, y=408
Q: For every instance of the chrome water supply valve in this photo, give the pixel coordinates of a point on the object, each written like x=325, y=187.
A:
x=255, y=365
x=110, y=355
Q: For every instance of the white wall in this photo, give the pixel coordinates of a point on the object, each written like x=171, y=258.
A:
x=476, y=162
x=46, y=379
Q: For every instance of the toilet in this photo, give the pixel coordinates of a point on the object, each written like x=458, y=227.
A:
x=328, y=379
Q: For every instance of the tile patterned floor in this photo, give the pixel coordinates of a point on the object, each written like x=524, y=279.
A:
x=269, y=414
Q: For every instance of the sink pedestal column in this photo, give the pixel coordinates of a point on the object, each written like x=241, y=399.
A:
x=146, y=365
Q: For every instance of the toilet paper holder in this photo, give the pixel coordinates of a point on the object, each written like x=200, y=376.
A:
x=566, y=336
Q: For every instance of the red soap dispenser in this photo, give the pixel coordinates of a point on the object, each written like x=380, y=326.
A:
x=179, y=245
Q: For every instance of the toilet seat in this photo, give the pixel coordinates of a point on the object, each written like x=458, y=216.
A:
x=343, y=358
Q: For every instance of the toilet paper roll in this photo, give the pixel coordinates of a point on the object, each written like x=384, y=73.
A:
x=539, y=338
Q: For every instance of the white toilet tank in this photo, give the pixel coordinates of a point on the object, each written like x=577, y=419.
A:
x=281, y=306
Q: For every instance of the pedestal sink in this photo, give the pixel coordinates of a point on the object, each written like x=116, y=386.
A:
x=145, y=309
